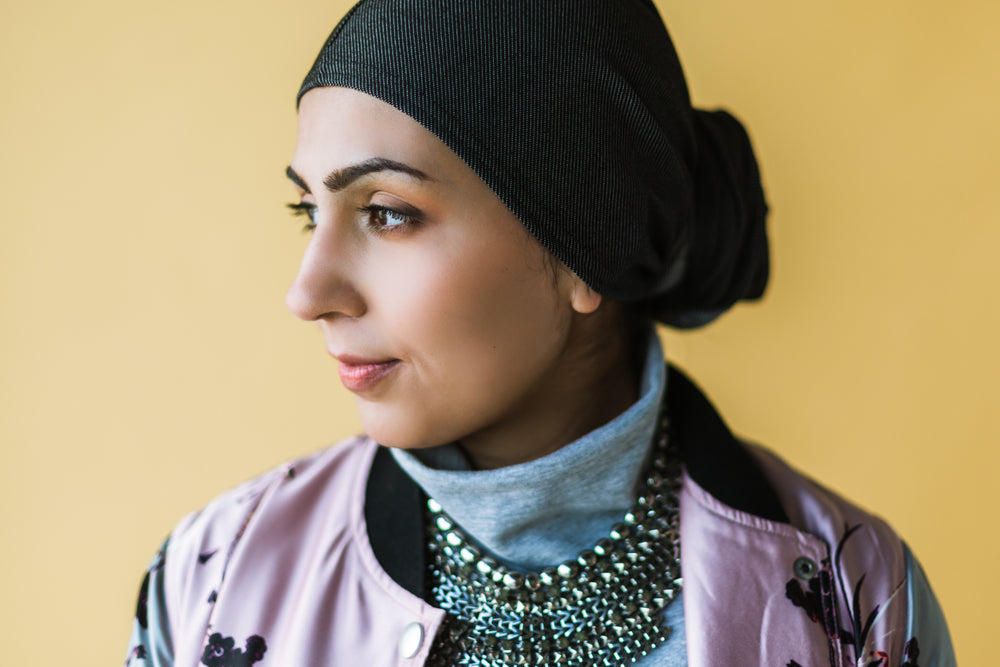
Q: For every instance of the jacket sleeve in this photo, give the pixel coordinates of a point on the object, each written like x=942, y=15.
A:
x=930, y=643
x=150, y=644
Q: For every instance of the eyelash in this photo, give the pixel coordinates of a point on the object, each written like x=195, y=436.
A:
x=308, y=210
x=373, y=210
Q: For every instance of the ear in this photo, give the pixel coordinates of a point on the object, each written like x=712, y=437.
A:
x=583, y=297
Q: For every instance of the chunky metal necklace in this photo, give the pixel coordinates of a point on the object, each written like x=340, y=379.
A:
x=604, y=608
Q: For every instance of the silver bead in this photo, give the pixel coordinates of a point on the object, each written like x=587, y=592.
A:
x=604, y=547
x=568, y=569
x=513, y=580
x=620, y=531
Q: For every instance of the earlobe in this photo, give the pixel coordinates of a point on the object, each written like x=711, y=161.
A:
x=584, y=298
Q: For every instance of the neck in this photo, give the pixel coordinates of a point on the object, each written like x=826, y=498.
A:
x=595, y=380
x=544, y=511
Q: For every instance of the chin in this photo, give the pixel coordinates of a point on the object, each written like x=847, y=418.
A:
x=401, y=429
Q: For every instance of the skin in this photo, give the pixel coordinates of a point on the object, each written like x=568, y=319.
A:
x=499, y=346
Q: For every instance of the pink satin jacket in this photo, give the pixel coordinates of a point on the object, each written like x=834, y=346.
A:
x=282, y=571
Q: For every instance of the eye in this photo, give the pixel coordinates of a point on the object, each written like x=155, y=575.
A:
x=309, y=210
x=382, y=219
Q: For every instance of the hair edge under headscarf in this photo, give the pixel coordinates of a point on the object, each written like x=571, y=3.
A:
x=576, y=114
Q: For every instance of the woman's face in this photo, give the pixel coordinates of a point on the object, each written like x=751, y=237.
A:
x=446, y=318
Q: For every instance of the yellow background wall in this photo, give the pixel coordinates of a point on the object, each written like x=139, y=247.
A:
x=147, y=362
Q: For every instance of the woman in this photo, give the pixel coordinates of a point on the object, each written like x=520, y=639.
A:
x=502, y=196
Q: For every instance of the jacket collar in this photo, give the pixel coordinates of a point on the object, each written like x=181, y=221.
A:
x=714, y=458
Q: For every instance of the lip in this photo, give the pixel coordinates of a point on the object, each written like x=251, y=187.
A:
x=359, y=374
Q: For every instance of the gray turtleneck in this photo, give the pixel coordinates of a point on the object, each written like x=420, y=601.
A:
x=537, y=514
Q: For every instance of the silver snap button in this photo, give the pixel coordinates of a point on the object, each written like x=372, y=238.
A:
x=409, y=642
x=805, y=568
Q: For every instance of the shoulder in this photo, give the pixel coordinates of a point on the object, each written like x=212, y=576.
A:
x=818, y=510
x=857, y=538
x=226, y=514
x=866, y=561
x=871, y=561
x=830, y=574
x=269, y=510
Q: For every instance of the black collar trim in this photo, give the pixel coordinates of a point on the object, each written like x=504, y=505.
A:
x=394, y=516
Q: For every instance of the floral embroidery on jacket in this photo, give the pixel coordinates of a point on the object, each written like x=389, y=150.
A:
x=220, y=652
x=819, y=603
x=910, y=653
x=142, y=604
x=137, y=653
x=138, y=650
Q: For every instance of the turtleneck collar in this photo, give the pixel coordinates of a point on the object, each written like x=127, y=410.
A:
x=537, y=514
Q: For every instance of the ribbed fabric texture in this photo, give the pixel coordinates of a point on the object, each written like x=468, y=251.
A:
x=576, y=113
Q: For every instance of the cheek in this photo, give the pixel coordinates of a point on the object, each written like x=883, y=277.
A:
x=484, y=308
x=476, y=329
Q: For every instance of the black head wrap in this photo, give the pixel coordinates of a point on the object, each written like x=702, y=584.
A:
x=577, y=115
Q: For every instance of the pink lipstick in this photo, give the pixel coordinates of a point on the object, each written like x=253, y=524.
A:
x=360, y=375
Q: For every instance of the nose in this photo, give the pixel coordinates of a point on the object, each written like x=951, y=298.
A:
x=324, y=285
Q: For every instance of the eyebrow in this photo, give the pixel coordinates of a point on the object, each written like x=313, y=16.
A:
x=339, y=179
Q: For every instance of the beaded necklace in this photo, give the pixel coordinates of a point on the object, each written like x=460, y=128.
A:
x=603, y=608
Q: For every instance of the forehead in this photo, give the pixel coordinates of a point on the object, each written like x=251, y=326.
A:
x=340, y=126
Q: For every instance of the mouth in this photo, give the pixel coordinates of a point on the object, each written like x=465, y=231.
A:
x=359, y=374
